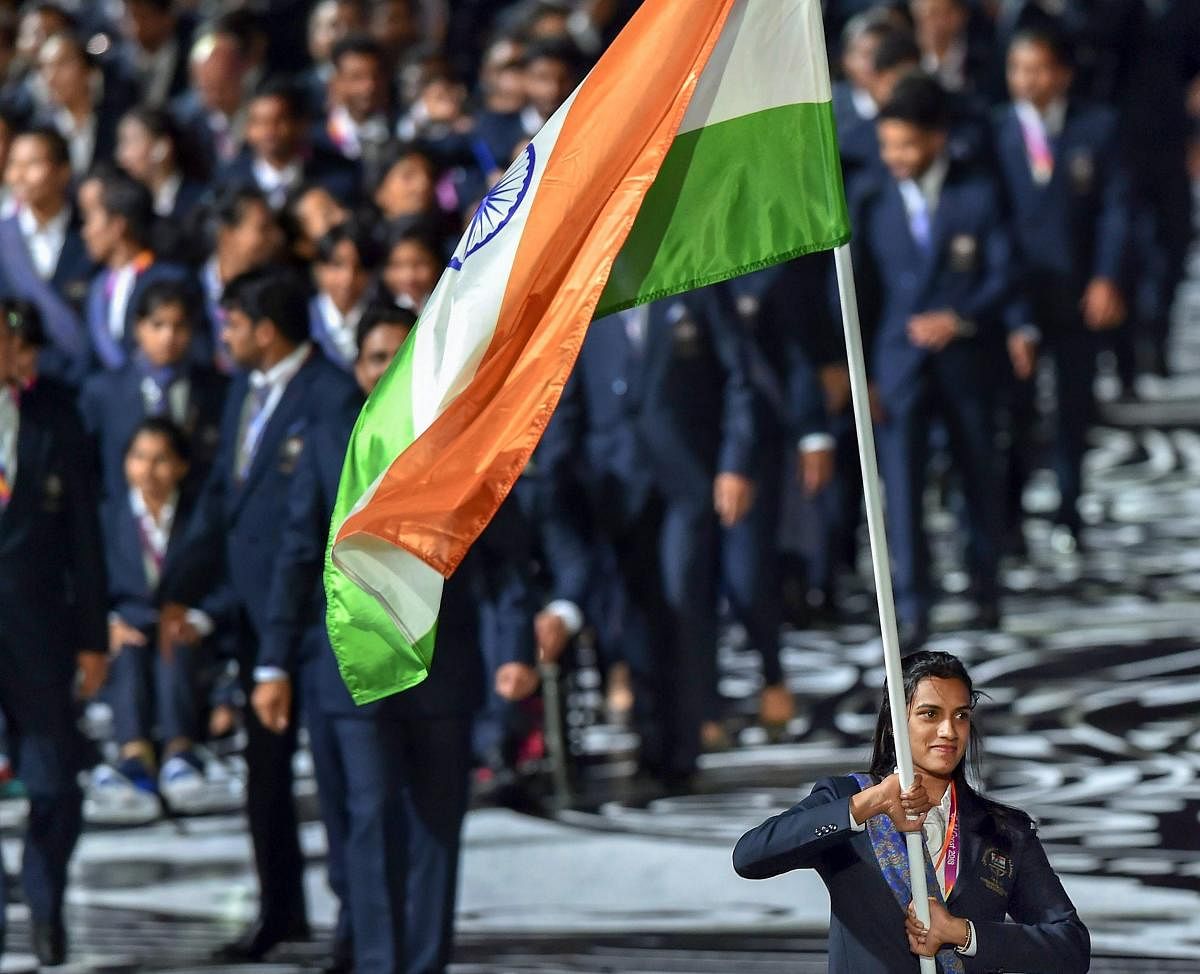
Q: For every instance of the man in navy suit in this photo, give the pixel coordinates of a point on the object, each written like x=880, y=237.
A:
x=45, y=261
x=159, y=380
x=212, y=111
x=932, y=241
x=1068, y=194
x=286, y=388
x=277, y=158
x=52, y=624
x=118, y=219
x=657, y=424
x=392, y=775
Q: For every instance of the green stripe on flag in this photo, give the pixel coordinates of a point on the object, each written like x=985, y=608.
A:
x=732, y=198
x=373, y=656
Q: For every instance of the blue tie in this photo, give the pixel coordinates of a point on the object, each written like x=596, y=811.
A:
x=919, y=222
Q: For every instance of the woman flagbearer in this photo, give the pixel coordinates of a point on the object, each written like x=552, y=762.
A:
x=984, y=861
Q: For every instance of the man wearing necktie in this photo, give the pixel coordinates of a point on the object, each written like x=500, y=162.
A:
x=1068, y=195
x=287, y=386
x=932, y=243
x=52, y=628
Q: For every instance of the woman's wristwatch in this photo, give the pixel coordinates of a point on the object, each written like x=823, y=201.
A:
x=968, y=937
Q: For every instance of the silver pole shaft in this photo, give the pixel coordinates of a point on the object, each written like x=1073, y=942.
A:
x=881, y=565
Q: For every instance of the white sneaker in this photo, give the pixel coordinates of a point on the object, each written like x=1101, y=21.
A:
x=113, y=799
x=181, y=783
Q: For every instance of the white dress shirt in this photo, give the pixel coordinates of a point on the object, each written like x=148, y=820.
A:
x=168, y=193
x=926, y=190
x=81, y=139
x=277, y=183
x=44, y=241
x=155, y=535
x=122, y=284
x=343, y=328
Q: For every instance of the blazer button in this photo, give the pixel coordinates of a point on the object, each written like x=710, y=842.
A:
x=619, y=387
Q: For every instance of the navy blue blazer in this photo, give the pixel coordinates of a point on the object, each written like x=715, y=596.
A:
x=60, y=300
x=968, y=269
x=112, y=406
x=192, y=117
x=485, y=620
x=247, y=516
x=52, y=585
x=667, y=417
x=1003, y=872
x=108, y=353
x=1076, y=226
x=130, y=593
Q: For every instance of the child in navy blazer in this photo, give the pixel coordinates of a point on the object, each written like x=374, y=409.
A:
x=152, y=684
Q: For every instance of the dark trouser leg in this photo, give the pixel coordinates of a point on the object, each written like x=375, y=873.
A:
x=176, y=690
x=438, y=761
x=332, y=795
x=967, y=414
x=273, y=827
x=129, y=691
x=644, y=631
x=687, y=665
x=750, y=567
x=46, y=747
x=1075, y=371
x=903, y=443
x=375, y=850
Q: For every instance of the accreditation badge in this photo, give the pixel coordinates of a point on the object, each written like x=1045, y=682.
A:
x=964, y=253
x=1082, y=169
x=289, y=454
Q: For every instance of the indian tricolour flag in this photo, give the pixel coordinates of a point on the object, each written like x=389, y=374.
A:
x=700, y=147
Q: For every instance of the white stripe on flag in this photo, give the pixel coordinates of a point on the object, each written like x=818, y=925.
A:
x=770, y=54
x=460, y=318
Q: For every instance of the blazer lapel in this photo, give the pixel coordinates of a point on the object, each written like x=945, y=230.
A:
x=281, y=420
x=972, y=814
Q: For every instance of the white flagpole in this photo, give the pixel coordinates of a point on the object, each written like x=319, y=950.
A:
x=881, y=564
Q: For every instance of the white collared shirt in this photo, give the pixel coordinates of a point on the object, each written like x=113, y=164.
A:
x=178, y=397
x=10, y=427
x=926, y=189
x=951, y=68
x=45, y=242
x=168, y=193
x=122, y=283
x=372, y=130
x=277, y=183
x=277, y=378
x=1050, y=121
x=155, y=532
x=158, y=71
x=864, y=104
x=343, y=328
x=532, y=121
x=81, y=139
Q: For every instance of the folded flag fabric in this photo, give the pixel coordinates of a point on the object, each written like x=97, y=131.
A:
x=700, y=147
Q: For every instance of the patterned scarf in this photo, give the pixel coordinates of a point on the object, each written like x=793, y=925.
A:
x=891, y=853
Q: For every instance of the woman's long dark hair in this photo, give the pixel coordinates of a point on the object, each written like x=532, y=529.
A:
x=927, y=665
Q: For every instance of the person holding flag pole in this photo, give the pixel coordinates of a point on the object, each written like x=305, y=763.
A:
x=670, y=167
